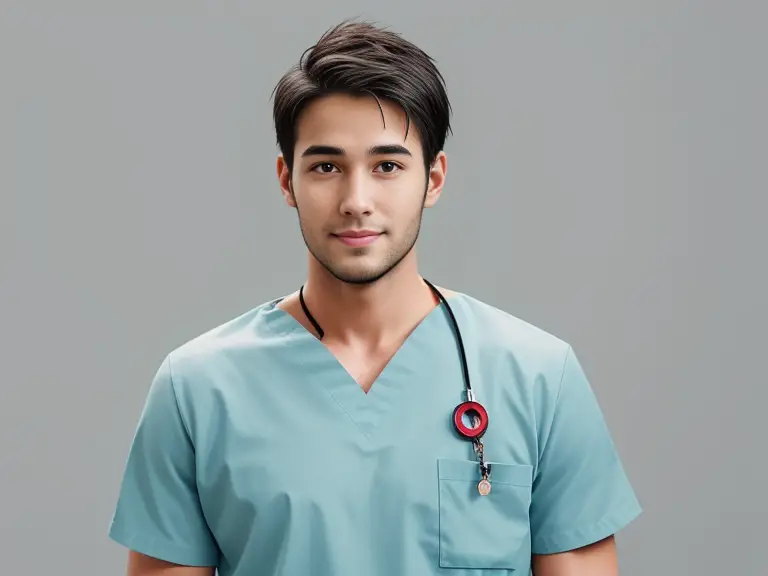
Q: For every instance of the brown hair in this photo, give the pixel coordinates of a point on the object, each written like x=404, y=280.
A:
x=359, y=58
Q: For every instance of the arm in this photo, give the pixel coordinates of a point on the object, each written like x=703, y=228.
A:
x=159, y=516
x=599, y=559
x=141, y=565
x=581, y=495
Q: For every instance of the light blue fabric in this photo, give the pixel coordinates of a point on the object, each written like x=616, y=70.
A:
x=256, y=452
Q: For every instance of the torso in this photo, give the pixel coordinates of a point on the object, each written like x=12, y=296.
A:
x=300, y=471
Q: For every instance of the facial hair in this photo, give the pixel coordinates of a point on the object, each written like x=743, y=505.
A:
x=369, y=276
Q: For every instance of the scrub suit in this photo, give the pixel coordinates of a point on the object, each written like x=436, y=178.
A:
x=257, y=453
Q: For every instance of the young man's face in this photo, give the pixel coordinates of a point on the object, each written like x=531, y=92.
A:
x=359, y=187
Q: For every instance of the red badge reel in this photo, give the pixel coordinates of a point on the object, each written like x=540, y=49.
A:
x=480, y=416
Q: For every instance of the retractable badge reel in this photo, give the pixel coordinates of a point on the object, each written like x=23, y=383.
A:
x=478, y=416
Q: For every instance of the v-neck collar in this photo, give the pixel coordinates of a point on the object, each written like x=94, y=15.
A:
x=404, y=368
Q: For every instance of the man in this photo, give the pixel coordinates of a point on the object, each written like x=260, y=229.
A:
x=317, y=433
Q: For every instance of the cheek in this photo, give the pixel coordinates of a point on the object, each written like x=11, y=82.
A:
x=314, y=212
x=412, y=206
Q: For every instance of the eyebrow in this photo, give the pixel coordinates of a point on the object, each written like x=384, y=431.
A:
x=384, y=149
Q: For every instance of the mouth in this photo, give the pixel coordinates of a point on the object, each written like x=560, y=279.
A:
x=357, y=237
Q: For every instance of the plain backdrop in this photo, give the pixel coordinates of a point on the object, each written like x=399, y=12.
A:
x=606, y=183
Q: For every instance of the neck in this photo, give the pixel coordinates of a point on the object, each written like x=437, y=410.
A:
x=369, y=314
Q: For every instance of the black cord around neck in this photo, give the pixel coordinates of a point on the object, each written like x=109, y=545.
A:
x=443, y=299
x=457, y=332
x=308, y=314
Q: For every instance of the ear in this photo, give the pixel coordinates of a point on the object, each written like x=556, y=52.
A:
x=436, y=179
x=284, y=178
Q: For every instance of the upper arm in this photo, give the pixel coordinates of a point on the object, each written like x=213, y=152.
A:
x=581, y=494
x=141, y=565
x=158, y=512
x=598, y=559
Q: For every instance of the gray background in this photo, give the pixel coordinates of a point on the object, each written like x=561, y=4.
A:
x=606, y=182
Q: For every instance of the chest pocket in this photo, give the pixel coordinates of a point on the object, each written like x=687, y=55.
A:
x=485, y=532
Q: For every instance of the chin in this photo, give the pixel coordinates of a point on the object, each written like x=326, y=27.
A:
x=357, y=274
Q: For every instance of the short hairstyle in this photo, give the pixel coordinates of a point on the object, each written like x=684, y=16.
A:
x=360, y=58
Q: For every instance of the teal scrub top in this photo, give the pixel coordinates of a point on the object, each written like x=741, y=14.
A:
x=256, y=452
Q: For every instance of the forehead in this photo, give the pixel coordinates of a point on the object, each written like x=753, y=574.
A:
x=354, y=123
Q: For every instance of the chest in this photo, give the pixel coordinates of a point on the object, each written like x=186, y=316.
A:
x=332, y=437
x=308, y=458
x=268, y=429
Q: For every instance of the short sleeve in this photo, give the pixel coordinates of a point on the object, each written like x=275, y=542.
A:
x=158, y=511
x=581, y=493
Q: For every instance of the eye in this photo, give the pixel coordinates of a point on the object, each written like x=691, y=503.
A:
x=323, y=168
x=389, y=167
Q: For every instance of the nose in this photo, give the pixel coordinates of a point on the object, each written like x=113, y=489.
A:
x=356, y=201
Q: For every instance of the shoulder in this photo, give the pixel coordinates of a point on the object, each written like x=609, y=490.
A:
x=212, y=351
x=500, y=333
